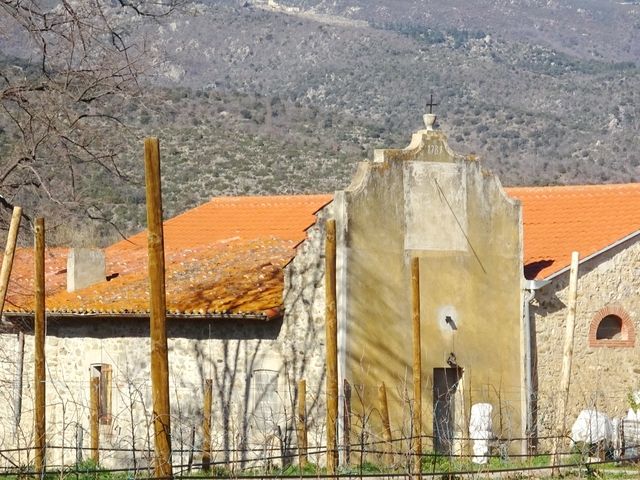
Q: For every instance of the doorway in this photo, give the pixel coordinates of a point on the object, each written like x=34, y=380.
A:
x=445, y=386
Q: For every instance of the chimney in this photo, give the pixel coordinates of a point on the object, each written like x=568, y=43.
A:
x=85, y=266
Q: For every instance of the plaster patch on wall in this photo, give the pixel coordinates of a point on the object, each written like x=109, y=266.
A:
x=435, y=197
x=448, y=319
x=269, y=361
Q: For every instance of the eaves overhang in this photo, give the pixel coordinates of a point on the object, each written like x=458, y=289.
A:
x=81, y=316
x=535, y=284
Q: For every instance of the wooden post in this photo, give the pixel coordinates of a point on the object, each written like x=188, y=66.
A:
x=417, y=366
x=386, y=424
x=94, y=416
x=39, y=333
x=159, y=353
x=9, y=251
x=302, y=424
x=347, y=422
x=79, y=442
x=567, y=356
x=206, y=425
x=331, y=322
x=17, y=386
x=5, y=274
x=191, y=448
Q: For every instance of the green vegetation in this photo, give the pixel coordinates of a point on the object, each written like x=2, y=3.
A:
x=418, y=32
x=432, y=464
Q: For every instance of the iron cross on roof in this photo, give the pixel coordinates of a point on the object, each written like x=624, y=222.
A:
x=430, y=103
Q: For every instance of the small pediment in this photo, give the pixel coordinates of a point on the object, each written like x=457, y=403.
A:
x=428, y=145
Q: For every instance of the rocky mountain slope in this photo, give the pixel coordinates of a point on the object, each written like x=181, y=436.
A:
x=537, y=115
x=586, y=28
x=255, y=97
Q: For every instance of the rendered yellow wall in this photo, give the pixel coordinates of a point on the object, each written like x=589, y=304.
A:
x=470, y=266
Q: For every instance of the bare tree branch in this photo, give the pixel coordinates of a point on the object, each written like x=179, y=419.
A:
x=60, y=105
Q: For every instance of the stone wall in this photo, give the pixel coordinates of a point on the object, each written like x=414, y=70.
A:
x=304, y=338
x=254, y=366
x=605, y=373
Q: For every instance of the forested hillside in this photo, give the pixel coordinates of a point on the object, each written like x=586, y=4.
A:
x=255, y=99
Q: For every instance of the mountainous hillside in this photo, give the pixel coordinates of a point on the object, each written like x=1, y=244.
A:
x=535, y=115
x=587, y=28
x=255, y=97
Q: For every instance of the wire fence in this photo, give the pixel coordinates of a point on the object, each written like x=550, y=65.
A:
x=433, y=464
x=255, y=429
x=371, y=457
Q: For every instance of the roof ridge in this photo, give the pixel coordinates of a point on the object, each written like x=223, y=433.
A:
x=606, y=186
x=262, y=198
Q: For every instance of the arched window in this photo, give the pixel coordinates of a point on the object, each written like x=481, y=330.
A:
x=609, y=327
x=612, y=327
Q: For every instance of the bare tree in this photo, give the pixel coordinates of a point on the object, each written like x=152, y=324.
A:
x=61, y=100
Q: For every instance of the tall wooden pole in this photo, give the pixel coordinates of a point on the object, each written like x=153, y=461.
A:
x=39, y=334
x=331, y=321
x=386, y=424
x=9, y=251
x=5, y=274
x=417, y=365
x=206, y=425
x=94, y=416
x=159, y=353
x=566, y=364
x=302, y=423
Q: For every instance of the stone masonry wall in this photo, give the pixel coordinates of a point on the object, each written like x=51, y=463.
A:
x=603, y=374
x=304, y=336
x=248, y=425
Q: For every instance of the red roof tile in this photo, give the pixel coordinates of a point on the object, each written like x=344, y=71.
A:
x=240, y=276
x=587, y=219
x=226, y=256
x=225, y=218
x=20, y=291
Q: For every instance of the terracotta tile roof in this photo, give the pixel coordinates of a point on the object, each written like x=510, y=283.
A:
x=587, y=219
x=240, y=276
x=226, y=256
x=225, y=218
x=20, y=290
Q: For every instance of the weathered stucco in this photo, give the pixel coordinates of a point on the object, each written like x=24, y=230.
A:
x=602, y=376
x=425, y=201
